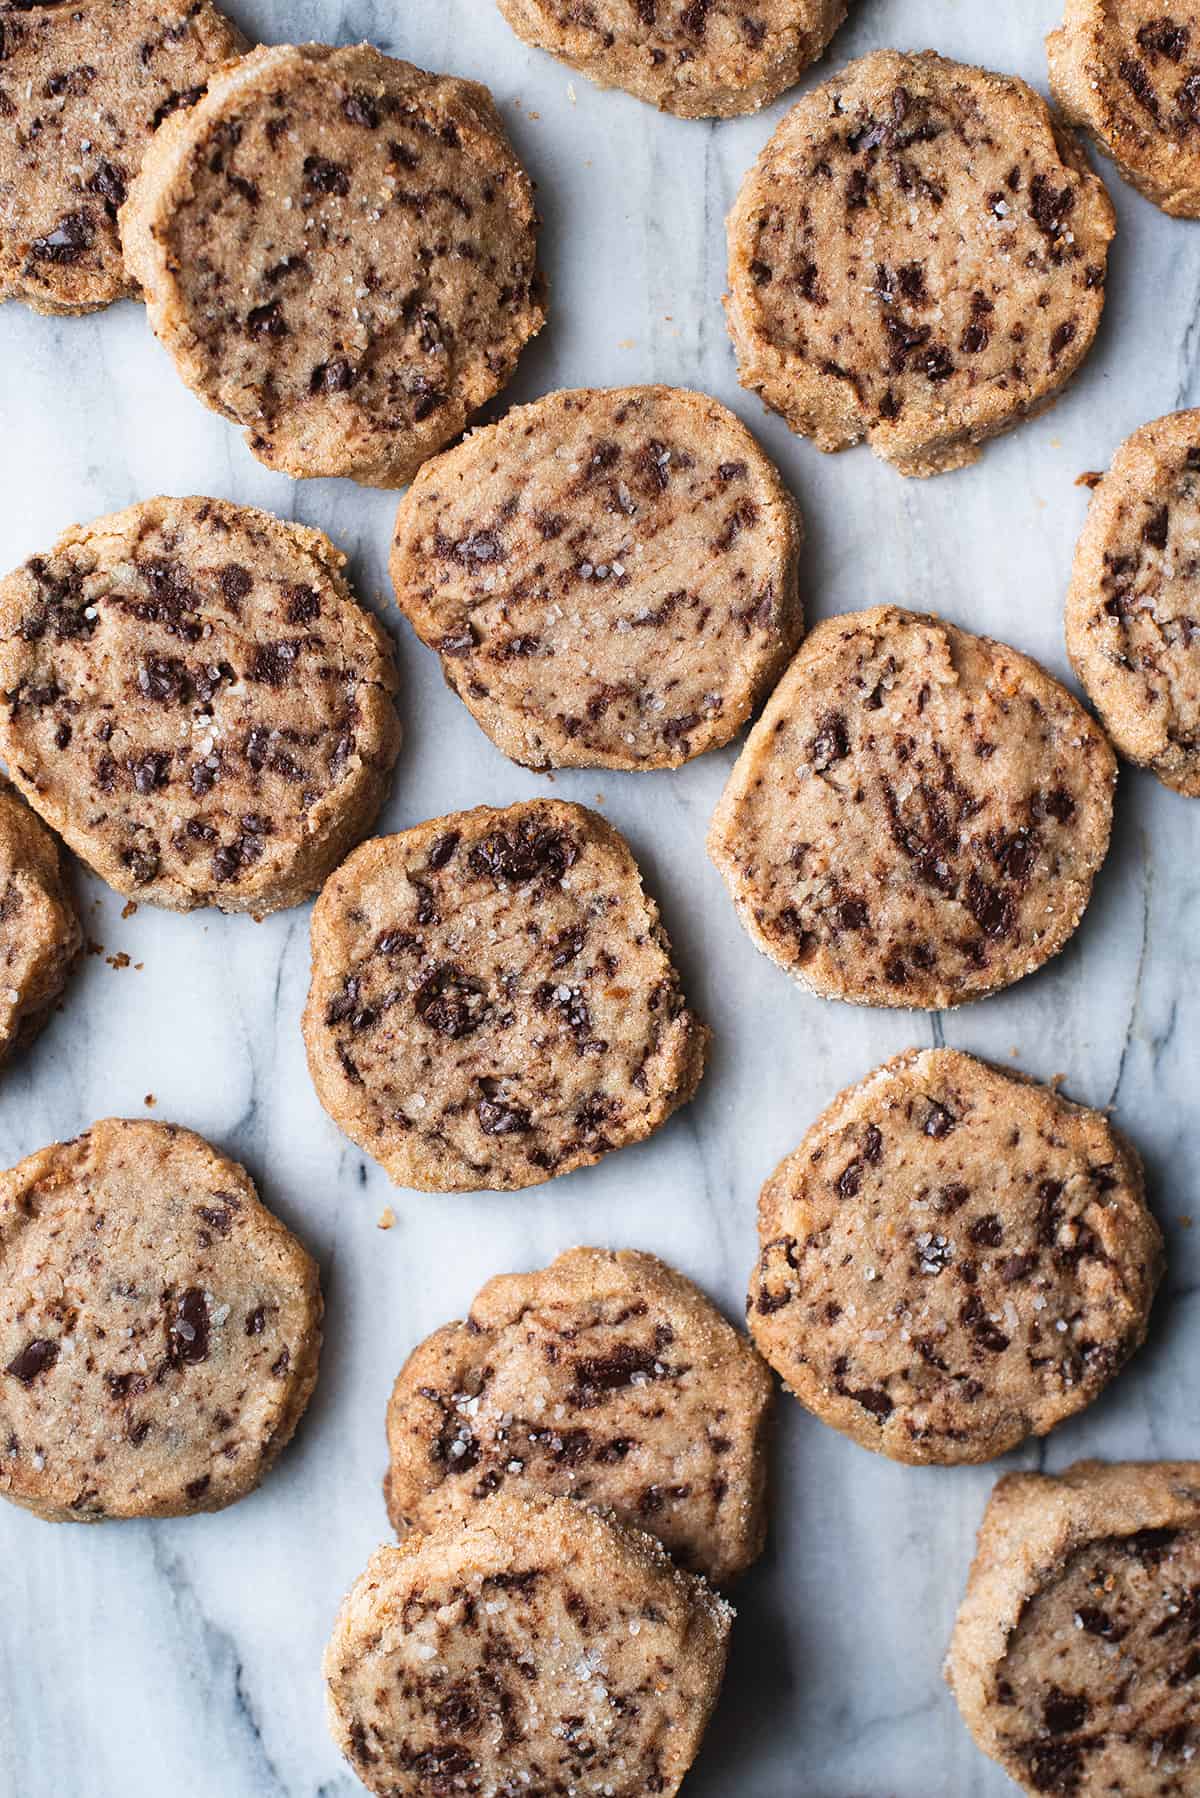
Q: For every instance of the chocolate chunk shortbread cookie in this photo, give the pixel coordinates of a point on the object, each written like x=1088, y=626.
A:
x=917, y=816
x=540, y=1647
x=1129, y=70
x=606, y=1377
x=953, y=1259
x=82, y=90
x=338, y=250
x=698, y=58
x=1075, y=1659
x=1133, y=609
x=159, y=1328
x=918, y=259
x=609, y=576
x=192, y=697
x=39, y=929
x=493, y=1000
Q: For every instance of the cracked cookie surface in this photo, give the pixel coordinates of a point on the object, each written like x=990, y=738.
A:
x=918, y=259
x=1076, y=1653
x=82, y=90
x=192, y=697
x=39, y=929
x=1129, y=71
x=953, y=1259
x=605, y=1377
x=159, y=1327
x=1133, y=607
x=539, y=1647
x=338, y=250
x=608, y=576
x=493, y=1000
x=697, y=58
x=918, y=815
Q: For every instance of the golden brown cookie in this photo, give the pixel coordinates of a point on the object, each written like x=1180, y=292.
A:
x=338, y=250
x=39, y=929
x=953, y=1259
x=541, y=1647
x=1076, y=1655
x=159, y=1328
x=82, y=90
x=1133, y=609
x=493, y=1000
x=1129, y=70
x=606, y=1377
x=918, y=259
x=608, y=575
x=191, y=695
x=698, y=58
x=917, y=817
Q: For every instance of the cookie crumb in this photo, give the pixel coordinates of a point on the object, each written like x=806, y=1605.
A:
x=387, y=1218
x=1091, y=477
x=129, y=908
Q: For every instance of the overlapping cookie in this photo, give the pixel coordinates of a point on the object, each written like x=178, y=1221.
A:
x=605, y=1377
x=541, y=1646
x=82, y=90
x=338, y=250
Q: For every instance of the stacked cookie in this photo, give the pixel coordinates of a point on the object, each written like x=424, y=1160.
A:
x=338, y=250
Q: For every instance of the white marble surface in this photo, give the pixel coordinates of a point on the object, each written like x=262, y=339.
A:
x=183, y=1657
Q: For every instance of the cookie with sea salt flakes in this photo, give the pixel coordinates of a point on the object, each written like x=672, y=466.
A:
x=339, y=252
x=1133, y=608
x=1129, y=71
x=493, y=1000
x=159, y=1328
x=1075, y=1655
x=697, y=58
x=606, y=1377
x=953, y=1259
x=917, y=817
x=539, y=1647
x=82, y=90
x=39, y=929
x=192, y=697
x=917, y=259
x=608, y=575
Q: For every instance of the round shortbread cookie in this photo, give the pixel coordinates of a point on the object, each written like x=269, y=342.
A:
x=1133, y=608
x=609, y=576
x=1129, y=71
x=917, y=258
x=493, y=1000
x=540, y=1647
x=82, y=90
x=606, y=1377
x=953, y=1259
x=159, y=1328
x=917, y=816
x=39, y=930
x=698, y=58
x=338, y=250
x=195, y=701
x=1075, y=1659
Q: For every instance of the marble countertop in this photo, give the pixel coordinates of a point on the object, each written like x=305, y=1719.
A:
x=183, y=1657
